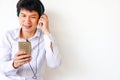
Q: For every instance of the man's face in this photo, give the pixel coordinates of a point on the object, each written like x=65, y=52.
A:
x=28, y=20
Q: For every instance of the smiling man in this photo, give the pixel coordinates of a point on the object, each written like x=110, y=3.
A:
x=19, y=64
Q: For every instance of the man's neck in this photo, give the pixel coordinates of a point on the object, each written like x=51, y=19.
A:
x=27, y=35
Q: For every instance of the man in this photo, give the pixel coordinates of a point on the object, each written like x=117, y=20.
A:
x=19, y=64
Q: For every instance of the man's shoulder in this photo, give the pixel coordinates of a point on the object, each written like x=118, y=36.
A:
x=12, y=32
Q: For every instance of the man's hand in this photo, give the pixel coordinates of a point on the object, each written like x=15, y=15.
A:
x=44, y=23
x=21, y=58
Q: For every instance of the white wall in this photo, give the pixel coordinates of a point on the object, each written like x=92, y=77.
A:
x=87, y=33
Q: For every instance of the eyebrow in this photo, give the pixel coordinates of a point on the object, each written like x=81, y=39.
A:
x=30, y=15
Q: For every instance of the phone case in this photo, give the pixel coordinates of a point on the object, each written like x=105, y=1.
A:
x=26, y=46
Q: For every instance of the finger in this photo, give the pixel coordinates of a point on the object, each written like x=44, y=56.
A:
x=21, y=53
x=44, y=15
x=22, y=57
x=41, y=20
x=23, y=60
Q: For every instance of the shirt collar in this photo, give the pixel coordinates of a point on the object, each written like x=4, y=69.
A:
x=36, y=35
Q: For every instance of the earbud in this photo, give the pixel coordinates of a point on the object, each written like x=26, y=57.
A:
x=17, y=13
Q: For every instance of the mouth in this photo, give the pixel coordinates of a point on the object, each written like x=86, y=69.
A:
x=27, y=26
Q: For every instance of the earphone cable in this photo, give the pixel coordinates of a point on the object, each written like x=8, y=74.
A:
x=35, y=72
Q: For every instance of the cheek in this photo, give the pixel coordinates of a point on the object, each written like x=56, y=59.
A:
x=35, y=22
x=21, y=21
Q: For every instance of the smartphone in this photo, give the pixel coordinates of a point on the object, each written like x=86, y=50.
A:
x=25, y=46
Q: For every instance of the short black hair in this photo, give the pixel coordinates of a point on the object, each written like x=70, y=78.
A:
x=30, y=5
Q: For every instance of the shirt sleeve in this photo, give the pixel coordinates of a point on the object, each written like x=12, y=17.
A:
x=52, y=55
x=5, y=56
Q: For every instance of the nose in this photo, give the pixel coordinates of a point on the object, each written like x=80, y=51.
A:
x=27, y=20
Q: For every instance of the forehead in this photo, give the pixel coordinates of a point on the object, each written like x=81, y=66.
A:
x=28, y=12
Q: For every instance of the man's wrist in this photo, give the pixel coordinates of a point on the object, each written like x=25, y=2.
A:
x=47, y=32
